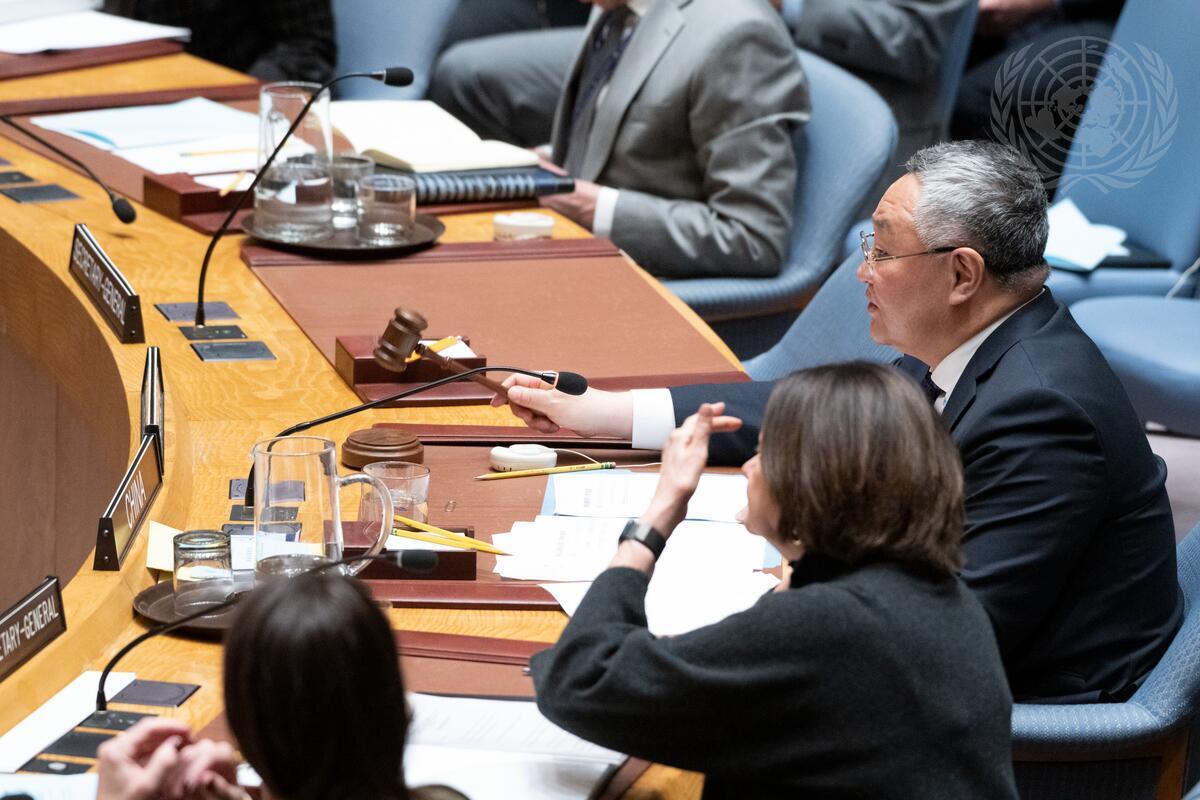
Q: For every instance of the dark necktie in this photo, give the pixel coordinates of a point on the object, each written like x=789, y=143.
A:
x=604, y=53
x=932, y=390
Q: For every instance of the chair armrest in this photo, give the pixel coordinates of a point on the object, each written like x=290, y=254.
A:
x=1092, y=728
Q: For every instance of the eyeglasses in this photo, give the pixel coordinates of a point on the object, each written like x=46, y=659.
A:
x=871, y=256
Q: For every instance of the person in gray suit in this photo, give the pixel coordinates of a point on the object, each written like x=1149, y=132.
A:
x=676, y=119
x=506, y=87
x=896, y=46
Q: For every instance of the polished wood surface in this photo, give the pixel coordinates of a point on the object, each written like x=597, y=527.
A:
x=75, y=406
x=161, y=73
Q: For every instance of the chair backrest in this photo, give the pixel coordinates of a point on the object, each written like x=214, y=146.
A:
x=954, y=61
x=1172, y=690
x=841, y=153
x=1146, y=91
x=375, y=34
x=833, y=327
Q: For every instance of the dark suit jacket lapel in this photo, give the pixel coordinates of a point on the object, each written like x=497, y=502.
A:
x=1021, y=324
x=654, y=34
x=566, y=99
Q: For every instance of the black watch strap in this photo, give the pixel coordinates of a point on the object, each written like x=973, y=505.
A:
x=644, y=533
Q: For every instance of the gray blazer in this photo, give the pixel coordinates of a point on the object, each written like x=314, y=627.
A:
x=695, y=130
x=897, y=47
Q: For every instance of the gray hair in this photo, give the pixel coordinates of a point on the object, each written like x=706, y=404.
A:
x=988, y=197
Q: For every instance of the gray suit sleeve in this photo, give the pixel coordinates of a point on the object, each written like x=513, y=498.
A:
x=902, y=39
x=745, y=104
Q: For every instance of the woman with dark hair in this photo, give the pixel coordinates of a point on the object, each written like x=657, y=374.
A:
x=872, y=673
x=313, y=696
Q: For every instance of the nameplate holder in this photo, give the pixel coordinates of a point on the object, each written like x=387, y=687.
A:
x=112, y=295
x=129, y=507
x=154, y=402
x=30, y=625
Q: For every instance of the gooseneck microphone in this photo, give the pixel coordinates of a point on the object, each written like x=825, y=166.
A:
x=414, y=560
x=392, y=76
x=120, y=206
x=566, y=382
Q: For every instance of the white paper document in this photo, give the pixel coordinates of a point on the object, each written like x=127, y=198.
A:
x=678, y=603
x=580, y=548
x=196, y=120
x=51, y=787
x=493, y=775
x=1075, y=243
x=17, y=10
x=617, y=494
x=511, y=726
x=79, y=30
x=62, y=712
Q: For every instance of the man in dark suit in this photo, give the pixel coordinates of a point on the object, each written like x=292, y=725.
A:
x=1069, y=541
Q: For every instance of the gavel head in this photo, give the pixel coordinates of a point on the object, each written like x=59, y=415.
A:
x=401, y=338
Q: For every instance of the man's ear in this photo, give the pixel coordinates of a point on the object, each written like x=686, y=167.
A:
x=967, y=274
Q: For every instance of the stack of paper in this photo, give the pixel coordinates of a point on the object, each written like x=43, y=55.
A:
x=79, y=30
x=709, y=570
x=196, y=136
x=499, y=749
x=580, y=548
x=595, y=494
x=1077, y=244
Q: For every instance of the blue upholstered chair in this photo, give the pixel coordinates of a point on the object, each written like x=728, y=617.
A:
x=1124, y=751
x=841, y=153
x=833, y=327
x=1162, y=210
x=374, y=34
x=1153, y=344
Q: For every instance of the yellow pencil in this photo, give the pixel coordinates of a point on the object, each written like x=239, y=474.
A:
x=435, y=535
x=525, y=473
x=233, y=184
x=223, y=152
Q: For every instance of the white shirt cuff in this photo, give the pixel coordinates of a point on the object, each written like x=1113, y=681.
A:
x=653, y=418
x=791, y=11
x=606, y=209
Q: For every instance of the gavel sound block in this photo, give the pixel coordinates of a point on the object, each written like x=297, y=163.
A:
x=354, y=360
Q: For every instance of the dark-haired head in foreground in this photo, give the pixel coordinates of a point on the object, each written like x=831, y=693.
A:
x=313, y=691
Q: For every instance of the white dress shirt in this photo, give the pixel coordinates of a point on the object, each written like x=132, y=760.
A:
x=947, y=374
x=606, y=199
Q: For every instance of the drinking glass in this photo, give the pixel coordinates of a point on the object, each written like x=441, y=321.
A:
x=293, y=202
x=408, y=485
x=203, y=570
x=295, y=479
x=348, y=169
x=387, y=206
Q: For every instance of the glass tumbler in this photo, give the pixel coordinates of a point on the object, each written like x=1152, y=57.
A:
x=387, y=208
x=348, y=169
x=294, y=200
x=407, y=483
x=203, y=570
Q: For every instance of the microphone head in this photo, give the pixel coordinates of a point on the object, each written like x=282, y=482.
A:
x=571, y=383
x=396, y=76
x=417, y=560
x=123, y=209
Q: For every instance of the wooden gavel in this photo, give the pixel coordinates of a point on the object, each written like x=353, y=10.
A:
x=402, y=338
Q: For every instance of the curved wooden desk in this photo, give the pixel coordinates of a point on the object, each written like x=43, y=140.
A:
x=69, y=412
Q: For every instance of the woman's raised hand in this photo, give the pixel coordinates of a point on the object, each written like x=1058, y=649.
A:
x=683, y=460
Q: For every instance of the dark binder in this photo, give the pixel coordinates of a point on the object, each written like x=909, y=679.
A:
x=489, y=185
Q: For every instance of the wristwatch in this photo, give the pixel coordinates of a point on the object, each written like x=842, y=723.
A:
x=644, y=533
